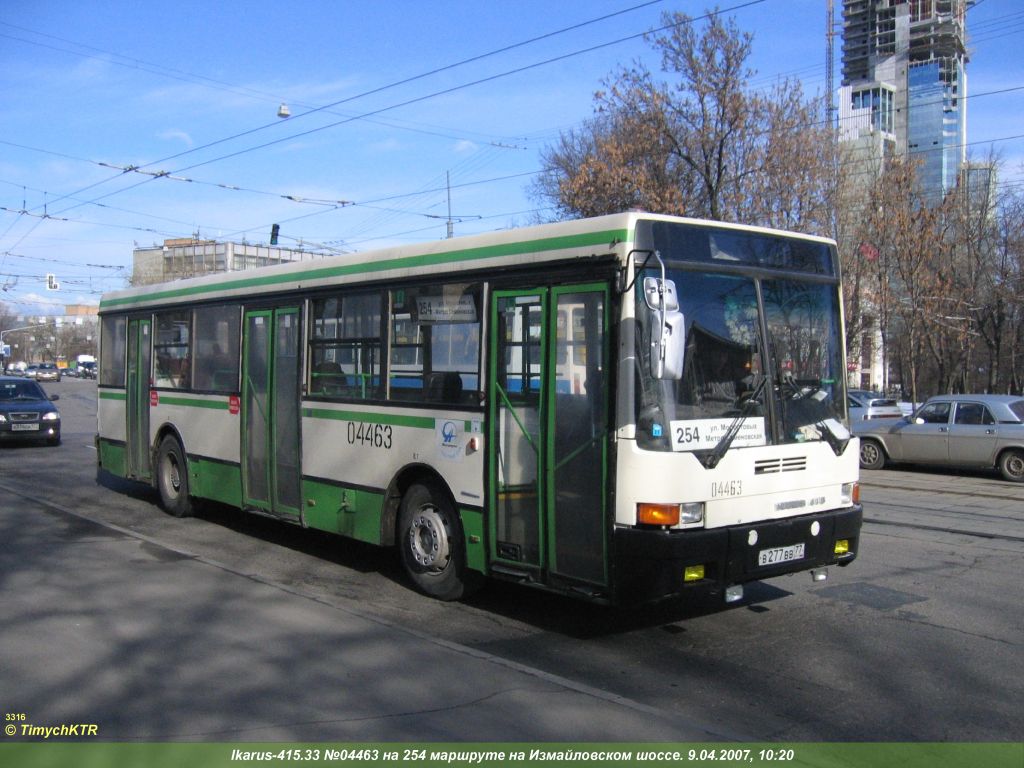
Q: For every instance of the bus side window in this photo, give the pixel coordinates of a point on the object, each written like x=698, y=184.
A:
x=345, y=347
x=172, y=350
x=216, y=348
x=435, y=344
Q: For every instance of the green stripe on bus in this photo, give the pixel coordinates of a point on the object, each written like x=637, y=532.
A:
x=394, y=419
x=112, y=458
x=105, y=395
x=191, y=402
x=348, y=511
x=423, y=260
x=216, y=480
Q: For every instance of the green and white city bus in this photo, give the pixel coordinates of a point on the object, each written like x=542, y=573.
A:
x=625, y=408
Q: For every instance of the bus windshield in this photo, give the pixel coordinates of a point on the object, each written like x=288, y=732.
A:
x=762, y=360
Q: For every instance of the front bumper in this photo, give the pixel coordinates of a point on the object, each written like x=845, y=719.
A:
x=649, y=564
x=45, y=430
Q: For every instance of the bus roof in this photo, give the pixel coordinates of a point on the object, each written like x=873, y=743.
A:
x=579, y=239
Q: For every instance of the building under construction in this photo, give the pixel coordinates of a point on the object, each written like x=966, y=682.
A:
x=904, y=84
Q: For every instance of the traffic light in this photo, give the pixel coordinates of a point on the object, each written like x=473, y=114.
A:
x=273, y=233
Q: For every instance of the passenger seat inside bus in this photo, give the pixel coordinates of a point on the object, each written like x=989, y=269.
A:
x=444, y=387
x=328, y=379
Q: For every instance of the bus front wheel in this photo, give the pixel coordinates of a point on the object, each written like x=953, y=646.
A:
x=172, y=478
x=431, y=544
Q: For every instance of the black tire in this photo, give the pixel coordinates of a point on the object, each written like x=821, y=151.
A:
x=172, y=478
x=431, y=544
x=872, y=455
x=1011, y=465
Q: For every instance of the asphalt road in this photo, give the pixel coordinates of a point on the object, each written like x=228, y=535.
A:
x=919, y=640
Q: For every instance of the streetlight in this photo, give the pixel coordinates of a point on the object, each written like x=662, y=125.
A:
x=3, y=349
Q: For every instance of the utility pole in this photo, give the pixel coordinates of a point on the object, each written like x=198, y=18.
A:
x=448, y=184
x=830, y=34
x=451, y=221
x=830, y=108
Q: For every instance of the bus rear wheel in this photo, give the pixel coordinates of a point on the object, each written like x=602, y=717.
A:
x=431, y=544
x=172, y=478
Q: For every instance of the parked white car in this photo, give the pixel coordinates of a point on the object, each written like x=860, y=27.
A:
x=865, y=405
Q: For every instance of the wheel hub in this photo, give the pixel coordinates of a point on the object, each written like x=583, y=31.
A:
x=428, y=540
x=173, y=475
x=1015, y=466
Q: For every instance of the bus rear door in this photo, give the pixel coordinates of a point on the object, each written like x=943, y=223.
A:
x=270, y=411
x=137, y=394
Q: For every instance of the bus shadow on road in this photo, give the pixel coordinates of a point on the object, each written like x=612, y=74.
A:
x=342, y=551
x=587, y=620
x=546, y=611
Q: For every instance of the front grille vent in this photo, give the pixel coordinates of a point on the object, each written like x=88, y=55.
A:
x=789, y=464
x=24, y=416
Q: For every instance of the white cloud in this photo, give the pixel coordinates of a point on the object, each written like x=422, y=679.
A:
x=388, y=145
x=174, y=134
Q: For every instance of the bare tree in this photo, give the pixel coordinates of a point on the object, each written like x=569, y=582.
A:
x=1008, y=269
x=902, y=235
x=700, y=143
x=6, y=317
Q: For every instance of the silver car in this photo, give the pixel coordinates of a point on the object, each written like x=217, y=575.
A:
x=47, y=372
x=982, y=431
x=871, y=405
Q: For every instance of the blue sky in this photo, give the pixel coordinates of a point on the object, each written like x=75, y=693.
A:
x=192, y=88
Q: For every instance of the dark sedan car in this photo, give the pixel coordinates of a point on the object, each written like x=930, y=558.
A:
x=982, y=431
x=27, y=412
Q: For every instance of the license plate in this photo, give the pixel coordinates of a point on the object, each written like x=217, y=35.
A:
x=24, y=427
x=780, y=554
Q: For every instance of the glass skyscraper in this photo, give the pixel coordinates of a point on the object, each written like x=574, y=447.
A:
x=904, y=80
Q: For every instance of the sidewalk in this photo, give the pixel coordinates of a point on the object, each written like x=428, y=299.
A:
x=102, y=626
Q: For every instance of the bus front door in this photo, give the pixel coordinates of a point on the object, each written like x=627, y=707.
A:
x=270, y=411
x=137, y=397
x=549, y=413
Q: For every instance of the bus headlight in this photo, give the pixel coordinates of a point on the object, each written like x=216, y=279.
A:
x=850, y=493
x=691, y=513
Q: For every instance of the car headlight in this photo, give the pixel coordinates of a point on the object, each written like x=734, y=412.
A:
x=2, y=418
x=51, y=416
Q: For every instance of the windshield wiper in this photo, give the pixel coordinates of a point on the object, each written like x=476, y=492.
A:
x=711, y=458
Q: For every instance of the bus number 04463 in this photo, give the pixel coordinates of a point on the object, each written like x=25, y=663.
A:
x=726, y=488
x=375, y=435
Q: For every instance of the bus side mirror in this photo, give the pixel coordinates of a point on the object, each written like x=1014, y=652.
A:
x=668, y=329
